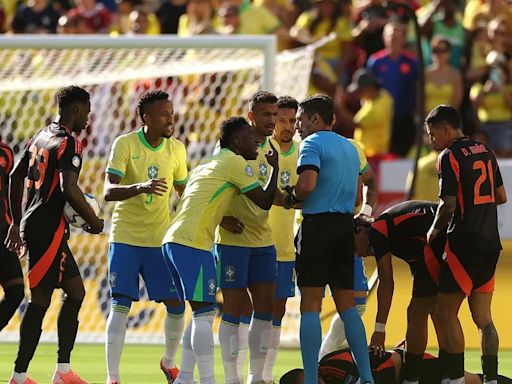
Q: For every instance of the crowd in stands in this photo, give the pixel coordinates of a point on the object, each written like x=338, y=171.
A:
x=371, y=67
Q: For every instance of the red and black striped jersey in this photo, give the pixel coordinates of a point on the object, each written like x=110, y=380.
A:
x=469, y=171
x=6, y=163
x=51, y=151
x=403, y=228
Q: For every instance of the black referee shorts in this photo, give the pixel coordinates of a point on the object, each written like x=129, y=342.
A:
x=325, y=251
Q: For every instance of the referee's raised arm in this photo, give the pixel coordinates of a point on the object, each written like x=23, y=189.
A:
x=327, y=187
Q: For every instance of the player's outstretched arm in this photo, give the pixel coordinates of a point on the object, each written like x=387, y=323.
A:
x=264, y=198
x=16, y=182
x=445, y=211
x=384, y=299
x=114, y=191
x=74, y=195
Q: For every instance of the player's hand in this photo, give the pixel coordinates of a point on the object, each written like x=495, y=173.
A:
x=155, y=186
x=432, y=234
x=96, y=228
x=13, y=241
x=272, y=156
x=377, y=343
x=232, y=224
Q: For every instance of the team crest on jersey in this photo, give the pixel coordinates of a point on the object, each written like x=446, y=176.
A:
x=112, y=279
x=263, y=169
x=153, y=171
x=248, y=171
x=229, y=273
x=212, y=287
x=75, y=161
x=285, y=177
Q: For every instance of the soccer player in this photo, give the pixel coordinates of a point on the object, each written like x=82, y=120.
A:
x=248, y=259
x=339, y=367
x=335, y=338
x=470, y=188
x=142, y=168
x=51, y=163
x=327, y=186
x=210, y=192
x=281, y=223
x=11, y=277
x=401, y=231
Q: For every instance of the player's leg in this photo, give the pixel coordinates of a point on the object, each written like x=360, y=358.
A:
x=341, y=281
x=441, y=342
x=188, y=359
x=30, y=331
x=198, y=280
x=159, y=276
x=285, y=288
x=262, y=278
x=243, y=334
x=480, y=306
x=335, y=338
x=232, y=269
x=11, y=279
x=416, y=336
x=123, y=276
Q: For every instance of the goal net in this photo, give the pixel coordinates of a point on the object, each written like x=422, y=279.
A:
x=207, y=83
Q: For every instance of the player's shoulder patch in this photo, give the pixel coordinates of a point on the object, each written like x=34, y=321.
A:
x=248, y=171
x=76, y=161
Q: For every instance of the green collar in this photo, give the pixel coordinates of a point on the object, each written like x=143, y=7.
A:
x=244, y=6
x=143, y=140
x=264, y=144
x=290, y=151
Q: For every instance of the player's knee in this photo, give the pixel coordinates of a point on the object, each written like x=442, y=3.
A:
x=77, y=294
x=481, y=318
x=279, y=309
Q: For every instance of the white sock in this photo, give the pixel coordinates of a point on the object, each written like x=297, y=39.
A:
x=19, y=377
x=173, y=329
x=228, y=339
x=334, y=338
x=188, y=359
x=63, y=367
x=202, y=344
x=491, y=382
x=460, y=380
x=259, y=334
x=116, y=332
x=243, y=348
x=273, y=348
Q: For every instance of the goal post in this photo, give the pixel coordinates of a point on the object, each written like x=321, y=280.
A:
x=209, y=78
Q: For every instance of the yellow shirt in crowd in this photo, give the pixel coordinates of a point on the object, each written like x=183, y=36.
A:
x=143, y=219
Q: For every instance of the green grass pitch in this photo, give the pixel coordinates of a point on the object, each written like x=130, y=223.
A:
x=140, y=363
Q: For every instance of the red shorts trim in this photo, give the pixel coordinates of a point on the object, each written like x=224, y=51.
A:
x=457, y=269
x=487, y=287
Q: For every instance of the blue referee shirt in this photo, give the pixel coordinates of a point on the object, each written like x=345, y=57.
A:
x=337, y=163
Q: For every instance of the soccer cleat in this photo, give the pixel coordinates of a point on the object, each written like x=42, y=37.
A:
x=113, y=382
x=67, y=378
x=28, y=380
x=170, y=373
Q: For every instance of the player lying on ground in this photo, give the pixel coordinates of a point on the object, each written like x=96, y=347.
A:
x=338, y=367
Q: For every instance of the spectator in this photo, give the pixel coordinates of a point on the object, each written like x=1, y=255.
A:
x=397, y=71
x=499, y=31
x=143, y=23
x=373, y=121
x=328, y=16
x=71, y=25
x=477, y=11
x=443, y=83
x=37, y=16
x=427, y=179
x=441, y=20
x=97, y=18
x=198, y=19
x=229, y=15
x=121, y=21
x=480, y=47
x=493, y=100
x=169, y=15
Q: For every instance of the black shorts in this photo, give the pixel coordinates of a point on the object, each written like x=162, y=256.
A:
x=10, y=267
x=325, y=251
x=469, y=264
x=50, y=260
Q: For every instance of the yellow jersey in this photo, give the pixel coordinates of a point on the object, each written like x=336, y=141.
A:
x=207, y=197
x=257, y=232
x=427, y=179
x=281, y=220
x=494, y=107
x=143, y=219
x=438, y=94
x=373, y=121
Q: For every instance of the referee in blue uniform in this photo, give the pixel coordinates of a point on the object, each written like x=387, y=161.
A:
x=327, y=188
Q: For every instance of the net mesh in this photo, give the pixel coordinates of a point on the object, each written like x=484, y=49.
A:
x=206, y=86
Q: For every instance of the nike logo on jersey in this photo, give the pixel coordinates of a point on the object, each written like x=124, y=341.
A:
x=135, y=157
